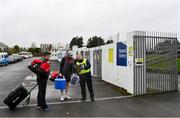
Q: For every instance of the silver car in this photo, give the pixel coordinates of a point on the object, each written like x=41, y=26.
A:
x=11, y=59
x=17, y=57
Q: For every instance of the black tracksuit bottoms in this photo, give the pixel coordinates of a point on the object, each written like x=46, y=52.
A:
x=41, y=97
x=86, y=79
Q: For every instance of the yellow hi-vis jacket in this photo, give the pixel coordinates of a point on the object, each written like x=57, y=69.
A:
x=83, y=63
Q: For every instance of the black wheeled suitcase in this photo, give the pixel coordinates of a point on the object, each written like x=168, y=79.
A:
x=17, y=96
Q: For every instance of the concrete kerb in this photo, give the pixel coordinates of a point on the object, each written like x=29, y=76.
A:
x=77, y=101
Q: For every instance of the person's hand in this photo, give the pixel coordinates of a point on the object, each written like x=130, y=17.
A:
x=60, y=74
x=82, y=66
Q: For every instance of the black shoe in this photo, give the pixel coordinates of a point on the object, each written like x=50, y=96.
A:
x=83, y=99
x=46, y=109
x=92, y=99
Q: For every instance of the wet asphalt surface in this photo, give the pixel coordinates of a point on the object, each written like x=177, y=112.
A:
x=109, y=101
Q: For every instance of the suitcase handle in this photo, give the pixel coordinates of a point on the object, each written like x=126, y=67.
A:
x=29, y=95
x=32, y=88
x=24, y=84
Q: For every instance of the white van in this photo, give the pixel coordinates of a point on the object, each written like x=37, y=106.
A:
x=24, y=55
x=4, y=58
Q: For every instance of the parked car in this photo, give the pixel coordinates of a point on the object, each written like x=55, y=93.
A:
x=11, y=59
x=24, y=55
x=17, y=57
x=4, y=58
x=30, y=55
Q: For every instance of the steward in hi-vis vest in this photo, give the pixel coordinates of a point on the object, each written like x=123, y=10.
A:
x=82, y=65
x=83, y=69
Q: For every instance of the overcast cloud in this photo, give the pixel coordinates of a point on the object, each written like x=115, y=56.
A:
x=52, y=21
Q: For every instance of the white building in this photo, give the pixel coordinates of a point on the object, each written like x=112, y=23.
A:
x=124, y=62
x=58, y=51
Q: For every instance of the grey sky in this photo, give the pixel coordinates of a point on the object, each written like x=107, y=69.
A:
x=52, y=21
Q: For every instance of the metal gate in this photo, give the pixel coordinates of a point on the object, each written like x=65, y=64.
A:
x=155, y=69
x=97, y=63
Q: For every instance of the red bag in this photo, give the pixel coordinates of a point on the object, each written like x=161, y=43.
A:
x=39, y=67
x=36, y=61
x=45, y=66
x=54, y=75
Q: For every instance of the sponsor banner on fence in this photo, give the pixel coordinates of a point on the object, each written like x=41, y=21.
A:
x=121, y=54
x=110, y=55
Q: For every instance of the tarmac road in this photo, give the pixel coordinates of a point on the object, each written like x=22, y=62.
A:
x=12, y=76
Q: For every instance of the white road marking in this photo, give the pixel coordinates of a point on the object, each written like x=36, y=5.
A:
x=77, y=101
x=52, y=86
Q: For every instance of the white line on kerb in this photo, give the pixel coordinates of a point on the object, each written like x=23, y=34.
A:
x=77, y=101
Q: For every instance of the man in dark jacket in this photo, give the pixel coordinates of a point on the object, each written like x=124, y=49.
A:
x=42, y=83
x=67, y=69
x=84, y=72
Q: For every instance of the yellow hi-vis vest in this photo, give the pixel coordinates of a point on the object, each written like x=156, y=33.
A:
x=83, y=63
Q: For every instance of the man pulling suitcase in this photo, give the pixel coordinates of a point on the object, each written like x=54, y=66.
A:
x=42, y=82
x=42, y=69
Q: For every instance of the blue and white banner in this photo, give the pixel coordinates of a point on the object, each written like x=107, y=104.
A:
x=121, y=57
